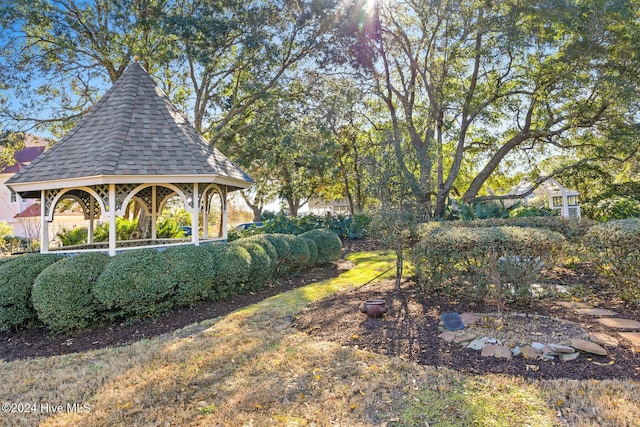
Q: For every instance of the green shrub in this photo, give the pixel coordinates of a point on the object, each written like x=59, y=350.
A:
x=572, y=229
x=281, y=244
x=615, y=251
x=619, y=207
x=16, y=283
x=75, y=236
x=313, y=250
x=262, y=240
x=135, y=284
x=504, y=260
x=191, y=273
x=261, y=267
x=532, y=211
x=299, y=256
x=231, y=268
x=62, y=294
x=328, y=244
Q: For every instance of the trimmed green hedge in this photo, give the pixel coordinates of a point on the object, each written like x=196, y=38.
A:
x=16, y=283
x=230, y=269
x=477, y=260
x=313, y=250
x=281, y=244
x=571, y=229
x=261, y=270
x=190, y=268
x=135, y=284
x=62, y=294
x=614, y=248
x=328, y=244
x=262, y=240
x=299, y=256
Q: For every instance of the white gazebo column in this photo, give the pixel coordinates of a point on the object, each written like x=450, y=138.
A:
x=92, y=207
x=154, y=213
x=44, y=224
x=223, y=200
x=195, y=225
x=112, y=219
x=205, y=215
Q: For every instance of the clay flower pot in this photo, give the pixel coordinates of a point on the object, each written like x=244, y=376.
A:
x=374, y=308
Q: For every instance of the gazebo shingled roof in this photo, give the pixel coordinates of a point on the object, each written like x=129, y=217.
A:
x=133, y=138
x=133, y=131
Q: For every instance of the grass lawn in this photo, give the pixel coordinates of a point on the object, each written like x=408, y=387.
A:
x=251, y=368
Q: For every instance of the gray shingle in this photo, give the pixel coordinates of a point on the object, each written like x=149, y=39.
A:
x=132, y=130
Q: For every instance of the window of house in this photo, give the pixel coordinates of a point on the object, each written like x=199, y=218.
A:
x=14, y=197
x=572, y=200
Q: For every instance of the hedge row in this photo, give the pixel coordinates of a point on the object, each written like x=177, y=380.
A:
x=571, y=229
x=484, y=261
x=614, y=249
x=73, y=293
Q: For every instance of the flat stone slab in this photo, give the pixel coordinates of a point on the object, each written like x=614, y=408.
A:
x=557, y=348
x=619, y=323
x=452, y=321
x=596, y=311
x=632, y=337
x=603, y=339
x=567, y=357
x=447, y=336
x=499, y=351
x=573, y=305
x=469, y=318
x=530, y=352
x=588, y=347
x=463, y=338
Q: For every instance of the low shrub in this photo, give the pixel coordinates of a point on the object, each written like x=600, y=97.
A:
x=328, y=244
x=572, y=229
x=281, y=243
x=299, y=256
x=230, y=269
x=261, y=267
x=503, y=260
x=614, y=248
x=135, y=284
x=271, y=250
x=16, y=282
x=62, y=293
x=313, y=250
x=191, y=273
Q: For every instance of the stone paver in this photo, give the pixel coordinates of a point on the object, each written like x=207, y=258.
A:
x=499, y=351
x=588, y=346
x=573, y=304
x=469, y=318
x=596, y=311
x=633, y=337
x=618, y=323
x=603, y=339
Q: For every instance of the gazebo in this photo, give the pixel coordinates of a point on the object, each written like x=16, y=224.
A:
x=133, y=144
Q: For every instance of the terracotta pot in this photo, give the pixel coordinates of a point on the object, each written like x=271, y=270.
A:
x=374, y=308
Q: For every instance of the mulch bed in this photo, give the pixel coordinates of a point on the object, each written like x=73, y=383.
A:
x=409, y=330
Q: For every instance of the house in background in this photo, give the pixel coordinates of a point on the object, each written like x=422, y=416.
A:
x=331, y=207
x=559, y=198
x=13, y=208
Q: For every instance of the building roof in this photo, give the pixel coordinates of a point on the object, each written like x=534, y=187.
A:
x=23, y=158
x=133, y=134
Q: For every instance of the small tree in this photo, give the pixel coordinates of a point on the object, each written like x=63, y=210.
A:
x=394, y=226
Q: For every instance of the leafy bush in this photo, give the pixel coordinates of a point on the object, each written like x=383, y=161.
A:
x=281, y=244
x=327, y=242
x=506, y=260
x=191, y=273
x=169, y=228
x=346, y=226
x=75, y=236
x=16, y=283
x=571, y=228
x=262, y=240
x=62, y=294
x=230, y=269
x=299, y=256
x=313, y=250
x=135, y=284
x=619, y=207
x=261, y=267
x=615, y=250
x=124, y=228
x=532, y=211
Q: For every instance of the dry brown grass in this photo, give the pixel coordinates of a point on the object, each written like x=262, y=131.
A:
x=252, y=368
